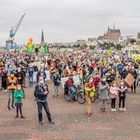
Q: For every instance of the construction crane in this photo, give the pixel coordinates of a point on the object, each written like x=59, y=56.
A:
x=10, y=44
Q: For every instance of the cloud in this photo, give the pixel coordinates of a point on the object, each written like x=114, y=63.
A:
x=67, y=20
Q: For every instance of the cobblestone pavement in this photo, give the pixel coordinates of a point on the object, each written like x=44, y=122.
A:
x=70, y=120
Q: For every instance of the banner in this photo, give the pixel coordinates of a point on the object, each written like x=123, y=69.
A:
x=76, y=80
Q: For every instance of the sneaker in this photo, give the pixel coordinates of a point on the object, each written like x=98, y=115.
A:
x=8, y=108
x=120, y=109
x=16, y=116
x=41, y=123
x=124, y=109
x=89, y=114
x=114, y=109
x=51, y=122
x=22, y=117
x=12, y=106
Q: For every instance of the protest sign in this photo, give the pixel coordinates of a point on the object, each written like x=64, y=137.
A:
x=76, y=80
x=129, y=80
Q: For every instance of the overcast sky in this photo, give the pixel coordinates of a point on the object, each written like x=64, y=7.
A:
x=67, y=20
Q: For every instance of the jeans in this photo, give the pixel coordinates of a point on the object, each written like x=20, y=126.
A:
x=30, y=81
x=52, y=76
x=113, y=103
x=122, y=102
x=11, y=96
x=18, y=108
x=46, y=107
x=73, y=91
x=133, y=87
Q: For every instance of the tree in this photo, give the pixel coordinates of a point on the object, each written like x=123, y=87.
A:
x=119, y=46
x=132, y=41
x=92, y=47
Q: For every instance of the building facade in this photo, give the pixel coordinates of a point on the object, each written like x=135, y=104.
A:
x=138, y=35
x=111, y=35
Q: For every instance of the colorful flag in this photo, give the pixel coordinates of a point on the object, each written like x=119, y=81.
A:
x=30, y=46
x=44, y=48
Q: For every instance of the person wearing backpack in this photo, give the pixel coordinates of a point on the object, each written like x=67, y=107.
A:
x=41, y=92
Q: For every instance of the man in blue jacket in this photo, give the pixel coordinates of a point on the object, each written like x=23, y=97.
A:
x=40, y=93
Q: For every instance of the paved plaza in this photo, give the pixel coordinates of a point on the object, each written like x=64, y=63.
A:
x=71, y=123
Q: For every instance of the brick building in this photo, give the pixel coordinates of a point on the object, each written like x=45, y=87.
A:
x=111, y=35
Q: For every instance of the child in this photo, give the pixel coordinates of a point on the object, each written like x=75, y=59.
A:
x=122, y=96
x=18, y=95
x=113, y=95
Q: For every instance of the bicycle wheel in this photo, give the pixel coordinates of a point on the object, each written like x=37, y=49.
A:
x=67, y=97
x=81, y=97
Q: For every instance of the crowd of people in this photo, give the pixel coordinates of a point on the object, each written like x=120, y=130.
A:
x=99, y=72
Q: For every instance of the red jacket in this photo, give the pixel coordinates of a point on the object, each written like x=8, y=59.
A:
x=70, y=82
x=96, y=80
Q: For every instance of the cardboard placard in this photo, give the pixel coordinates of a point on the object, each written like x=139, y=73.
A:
x=129, y=80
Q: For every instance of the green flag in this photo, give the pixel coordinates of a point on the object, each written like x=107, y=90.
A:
x=31, y=48
x=44, y=48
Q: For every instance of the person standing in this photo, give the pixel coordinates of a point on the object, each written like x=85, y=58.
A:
x=134, y=74
x=4, y=79
x=89, y=91
x=57, y=82
x=41, y=73
x=20, y=78
x=31, y=73
x=103, y=93
x=12, y=82
x=41, y=93
x=18, y=96
x=122, y=97
x=113, y=95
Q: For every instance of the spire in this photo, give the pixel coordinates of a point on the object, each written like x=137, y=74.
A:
x=42, y=37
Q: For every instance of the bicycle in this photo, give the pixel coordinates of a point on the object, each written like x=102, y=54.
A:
x=79, y=95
